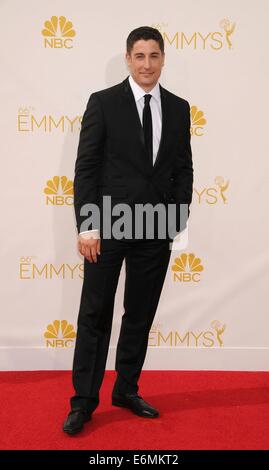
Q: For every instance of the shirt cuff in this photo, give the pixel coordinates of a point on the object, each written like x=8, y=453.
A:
x=90, y=234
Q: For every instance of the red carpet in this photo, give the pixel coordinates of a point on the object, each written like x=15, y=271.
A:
x=199, y=410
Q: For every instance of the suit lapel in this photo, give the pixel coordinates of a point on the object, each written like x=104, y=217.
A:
x=137, y=126
x=132, y=109
x=164, y=126
x=135, y=120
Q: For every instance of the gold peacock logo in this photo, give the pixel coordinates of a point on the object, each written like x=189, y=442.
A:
x=60, y=334
x=58, y=33
x=59, y=191
x=58, y=26
x=57, y=182
x=198, y=121
x=187, y=267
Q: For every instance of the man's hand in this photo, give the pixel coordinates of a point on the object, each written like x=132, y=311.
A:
x=90, y=248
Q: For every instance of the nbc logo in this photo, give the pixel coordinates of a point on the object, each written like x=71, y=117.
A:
x=187, y=268
x=197, y=121
x=58, y=33
x=60, y=334
x=58, y=185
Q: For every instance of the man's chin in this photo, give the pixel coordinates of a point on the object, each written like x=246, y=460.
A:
x=148, y=81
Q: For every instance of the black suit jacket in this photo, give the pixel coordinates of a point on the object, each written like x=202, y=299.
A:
x=112, y=157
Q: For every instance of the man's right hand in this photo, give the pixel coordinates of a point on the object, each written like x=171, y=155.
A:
x=89, y=247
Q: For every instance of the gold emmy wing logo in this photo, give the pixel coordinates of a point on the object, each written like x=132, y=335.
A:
x=187, y=268
x=58, y=33
x=219, y=329
x=229, y=29
x=60, y=334
x=212, y=195
x=198, y=40
x=207, y=338
x=197, y=121
x=58, y=185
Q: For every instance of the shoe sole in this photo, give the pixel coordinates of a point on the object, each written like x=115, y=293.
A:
x=75, y=431
x=122, y=405
x=71, y=432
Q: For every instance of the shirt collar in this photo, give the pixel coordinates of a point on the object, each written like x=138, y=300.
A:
x=139, y=92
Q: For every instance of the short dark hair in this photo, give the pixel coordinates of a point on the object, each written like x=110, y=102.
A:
x=146, y=33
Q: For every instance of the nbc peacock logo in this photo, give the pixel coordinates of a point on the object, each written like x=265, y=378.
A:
x=59, y=191
x=187, y=268
x=58, y=33
x=198, y=122
x=60, y=334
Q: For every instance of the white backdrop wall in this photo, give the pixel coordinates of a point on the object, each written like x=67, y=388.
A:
x=213, y=314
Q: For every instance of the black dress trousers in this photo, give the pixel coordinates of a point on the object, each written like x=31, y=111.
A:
x=146, y=267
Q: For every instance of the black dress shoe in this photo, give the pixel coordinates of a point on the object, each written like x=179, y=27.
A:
x=136, y=404
x=75, y=421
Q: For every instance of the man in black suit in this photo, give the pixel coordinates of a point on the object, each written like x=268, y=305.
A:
x=134, y=147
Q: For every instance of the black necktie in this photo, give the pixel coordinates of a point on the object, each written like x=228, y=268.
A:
x=147, y=126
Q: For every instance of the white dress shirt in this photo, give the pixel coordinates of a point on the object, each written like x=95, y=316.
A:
x=156, y=113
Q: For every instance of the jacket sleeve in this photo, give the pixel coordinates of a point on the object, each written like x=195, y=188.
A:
x=89, y=158
x=183, y=171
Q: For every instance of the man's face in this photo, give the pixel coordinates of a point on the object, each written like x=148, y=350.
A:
x=145, y=63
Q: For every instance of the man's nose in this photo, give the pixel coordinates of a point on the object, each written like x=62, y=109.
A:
x=147, y=63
